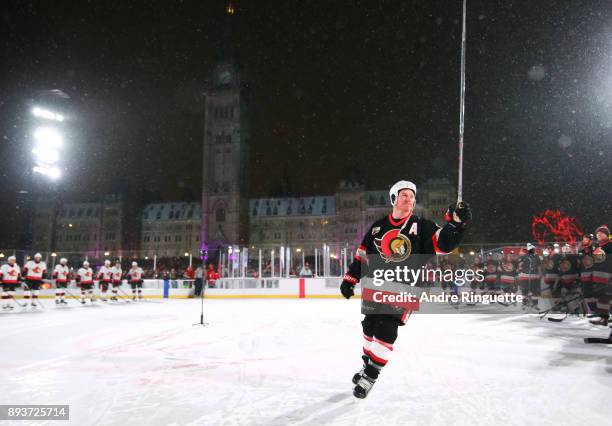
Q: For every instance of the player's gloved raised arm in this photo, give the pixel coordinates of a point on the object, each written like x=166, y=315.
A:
x=447, y=238
x=459, y=214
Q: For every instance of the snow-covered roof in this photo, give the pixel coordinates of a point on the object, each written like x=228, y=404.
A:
x=172, y=211
x=304, y=206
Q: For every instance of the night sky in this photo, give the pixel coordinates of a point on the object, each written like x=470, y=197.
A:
x=338, y=89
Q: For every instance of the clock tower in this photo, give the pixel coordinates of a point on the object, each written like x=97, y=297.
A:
x=225, y=162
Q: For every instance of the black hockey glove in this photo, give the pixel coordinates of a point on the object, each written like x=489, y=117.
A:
x=348, y=285
x=460, y=213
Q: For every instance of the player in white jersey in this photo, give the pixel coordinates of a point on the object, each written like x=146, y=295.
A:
x=105, y=277
x=34, y=271
x=61, y=275
x=135, y=279
x=10, y=277
x=84, y=278
x=117, y=277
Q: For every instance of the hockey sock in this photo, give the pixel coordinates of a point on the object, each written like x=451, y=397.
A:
x=5, y=298
x=139, y=293
x=11, y=296
x=367, y=345
x=35, y=294
x=26, y=294
x=379, y=354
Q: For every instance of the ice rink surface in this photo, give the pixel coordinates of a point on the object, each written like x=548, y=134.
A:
x=290, y=361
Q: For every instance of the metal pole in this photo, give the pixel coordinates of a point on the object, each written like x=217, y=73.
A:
x=272, y=264
x=281, y=262
x=462, y=108
x=190, y=260
x=154, y=265
x=259, y=269
x=316, y=265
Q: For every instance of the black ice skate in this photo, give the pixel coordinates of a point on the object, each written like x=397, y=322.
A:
x=357, y=376
x=363, y=386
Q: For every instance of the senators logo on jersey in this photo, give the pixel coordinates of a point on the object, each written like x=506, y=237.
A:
x=393, y=246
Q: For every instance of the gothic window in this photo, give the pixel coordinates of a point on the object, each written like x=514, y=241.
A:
x=220, y=214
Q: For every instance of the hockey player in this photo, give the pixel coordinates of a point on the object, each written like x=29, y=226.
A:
x=551, y=274
x=10, y=277
x=84, y=279
x=529, y=277
x=507, y=274
x=135, y=279
x=34, y=271
x=602, y=274
x=392, y=239
x=61, y=275
x=117, y=274
x=567, y=266
x=491, y=271
x=105, y=277
x=585, y=265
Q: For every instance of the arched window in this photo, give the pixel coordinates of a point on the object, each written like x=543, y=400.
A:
x=220, y=214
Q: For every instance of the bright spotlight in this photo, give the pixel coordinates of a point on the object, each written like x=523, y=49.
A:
x=46, y=156
x=52, y=172
x=46, y=114
x=48, y=137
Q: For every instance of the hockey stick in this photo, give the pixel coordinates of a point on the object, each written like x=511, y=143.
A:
x=604, y=340
x=567, y=309
x=16, y=302
x=127, y=297
x=70, y=293
x=462, y=108
x=558, y=305
x=37, y=299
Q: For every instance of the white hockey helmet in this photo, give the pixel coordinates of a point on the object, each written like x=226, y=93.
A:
x=63, y=260
x=107, y=263
x=38, y=256
x=398, y=186
x=530, y=246
x=134, y=264
x=85, y=264
x=12, y=258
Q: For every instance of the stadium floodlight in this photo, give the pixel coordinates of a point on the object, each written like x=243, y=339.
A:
x=46, y=156
x=53, y=173
x=49, y=115
x=48, y=137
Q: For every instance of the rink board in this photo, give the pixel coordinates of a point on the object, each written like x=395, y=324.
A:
x=285, y=288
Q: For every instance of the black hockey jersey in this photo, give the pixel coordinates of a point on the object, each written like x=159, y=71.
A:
x=390, y=242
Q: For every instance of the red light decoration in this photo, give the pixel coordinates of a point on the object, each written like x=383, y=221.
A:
x=551, y=225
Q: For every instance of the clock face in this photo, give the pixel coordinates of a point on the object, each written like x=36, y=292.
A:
x=225, y=77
